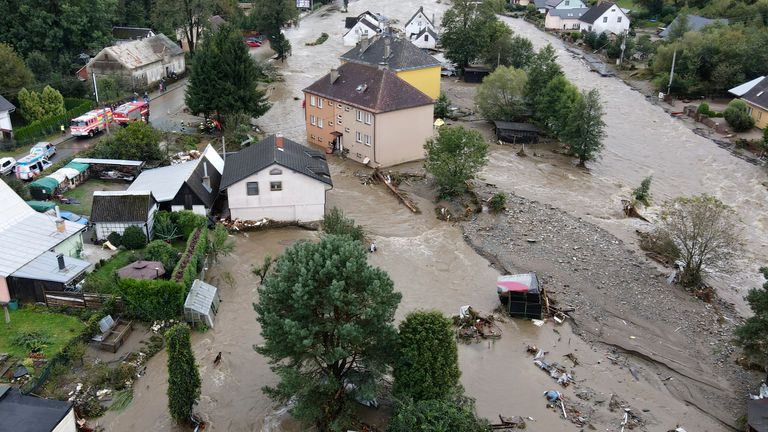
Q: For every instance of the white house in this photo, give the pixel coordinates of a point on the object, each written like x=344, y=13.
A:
x=363, y=28
x=141, y=62
x=114, y=211
x=418, y=22
x=23, y=413
x=564, y=19
x=6, y=128
x=605, y=17
x=276, y=179
x=426, y=38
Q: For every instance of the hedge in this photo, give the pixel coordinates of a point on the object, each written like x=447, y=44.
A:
x=49, y=125
x=152, y=300
x=192, y=259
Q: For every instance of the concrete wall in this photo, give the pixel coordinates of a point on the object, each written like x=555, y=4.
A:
x=759, y=114
x=400, y=135
x=302, y=197
x=427, y=80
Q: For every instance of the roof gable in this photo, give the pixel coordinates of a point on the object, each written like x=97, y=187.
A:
x=403, y=55
x=695, y=23
x=597, y=11
x=363, y=23
x=369, y=88
x=257, y=157
x=420, y=11
x=742, y=89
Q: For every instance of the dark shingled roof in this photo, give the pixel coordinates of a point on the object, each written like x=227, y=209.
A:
x=265, y=153
x=369, y=88
x=403, y=55
x=596, y=12
x=758, y=95
x=20, y=413
x=121, y=206
x=130, y=33
x=5, y=105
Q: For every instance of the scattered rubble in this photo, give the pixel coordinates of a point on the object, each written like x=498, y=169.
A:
x=473, y=327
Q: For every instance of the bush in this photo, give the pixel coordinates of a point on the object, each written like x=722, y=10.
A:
x=159, y=250
x=661, y=244
x=152, y=300
x=134, y=238
x=334, y=222
x=323, y=37
x=186, y=222
x=442, y=106
x=164, y=228
x=643, y=193
x=115, y=238
x=31, y=340
x=18, y=186
x=192, y=259
x=737, y=115
x=498, y=202
x=436, y=416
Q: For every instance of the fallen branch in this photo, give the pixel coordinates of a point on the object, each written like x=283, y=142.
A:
x=400, y=195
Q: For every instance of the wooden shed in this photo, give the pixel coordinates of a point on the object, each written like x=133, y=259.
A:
x=514, y=133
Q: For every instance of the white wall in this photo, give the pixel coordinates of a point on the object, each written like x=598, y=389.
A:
x=104, y=229
x=553, y=22
x=5, y=120
x=302, y=197
x=5, y=295
x=420, y=42
x=353, y=36
x=417, y=24
x=612, y=21
x=67, y=424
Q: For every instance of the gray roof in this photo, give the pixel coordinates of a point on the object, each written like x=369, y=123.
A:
x=546, y=4
x=121, y=206
x=21, y=225
x=758, y=95
x=46, y=268
x=20, y=413
x=515, y=126
x=742, y=89
x=216, y=22
x=200, y=297
x=404, y=55
x=142, y=52
x=265, y=153
x=165, y=182
x=369, y=88
x=5, y=105
x=109, y=162
x=427, y=30
x=568, y=13
x=695, y=23
x=596, y=12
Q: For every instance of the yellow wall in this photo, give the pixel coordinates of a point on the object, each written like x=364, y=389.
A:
x=427, y=80
x=760, y=115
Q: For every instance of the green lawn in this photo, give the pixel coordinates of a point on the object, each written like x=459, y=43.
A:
x=57, y=327
x=84, y=194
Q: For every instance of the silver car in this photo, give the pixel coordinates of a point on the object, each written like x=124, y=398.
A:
x=6, y=165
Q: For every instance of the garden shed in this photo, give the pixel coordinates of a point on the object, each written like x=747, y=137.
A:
x=521, y=295
x=513, y=132
x=202, y=303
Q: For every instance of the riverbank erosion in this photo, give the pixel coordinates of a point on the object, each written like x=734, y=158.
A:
x=621, y=302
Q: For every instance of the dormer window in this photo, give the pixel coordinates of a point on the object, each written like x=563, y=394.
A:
x=275, y=171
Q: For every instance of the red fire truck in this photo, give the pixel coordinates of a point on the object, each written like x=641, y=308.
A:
x=91, y=122
x=131, y=112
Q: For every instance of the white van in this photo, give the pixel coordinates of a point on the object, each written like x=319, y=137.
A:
x=6, y=165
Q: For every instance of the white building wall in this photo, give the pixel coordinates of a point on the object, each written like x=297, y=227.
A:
x=418, y=23
x=356, y=33
x=5, y=120
x=302, y=197
x=552, y=22
x=613, y=21
x=67, y=424
x=425, y=41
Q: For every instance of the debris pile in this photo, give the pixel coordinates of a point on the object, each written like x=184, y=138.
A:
x=473, y=327
x=262, y=224
x=558, y=372
x=510, y=423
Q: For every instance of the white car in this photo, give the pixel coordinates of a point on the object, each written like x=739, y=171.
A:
x=6, y=165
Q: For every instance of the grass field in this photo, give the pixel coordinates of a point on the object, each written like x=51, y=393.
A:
x=84, y=194
x=56, y=327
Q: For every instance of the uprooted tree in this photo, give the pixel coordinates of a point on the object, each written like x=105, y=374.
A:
x=326, y=317
x=705, y=233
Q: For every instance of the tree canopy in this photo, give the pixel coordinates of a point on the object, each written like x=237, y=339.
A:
x=468, y=28
x=223, y=78
x=501, y=96
x=584, y=129
x=326, y=317
x=14, y=74
x=752, y=336
x=269, y=16
x=191, y=16
x=137, y=141
x=439, y=415
x=541, y=70
x=454, y=157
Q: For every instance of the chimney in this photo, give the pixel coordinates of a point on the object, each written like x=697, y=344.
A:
x=334, y=75
x=60, y=259
x=60, y=225
x=387, y=47
x=279, y=141
x=363, y=44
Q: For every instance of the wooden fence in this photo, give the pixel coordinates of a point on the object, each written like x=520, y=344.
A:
x=78, y=300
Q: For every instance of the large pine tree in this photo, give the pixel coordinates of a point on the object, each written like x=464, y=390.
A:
x=183, y=376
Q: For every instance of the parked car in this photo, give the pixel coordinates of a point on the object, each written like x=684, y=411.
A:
x=31, y=166
x=43, y=148
x=72, y=217
x=6, y=165
x=253, y=43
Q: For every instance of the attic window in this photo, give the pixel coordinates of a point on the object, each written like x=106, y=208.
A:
x=275, y=171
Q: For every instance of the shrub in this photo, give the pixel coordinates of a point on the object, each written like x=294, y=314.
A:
x=436, y=416
x=334, y=222
x=18, y=186
x=49, y=125
x=323, y=37
x=164, y=228
x=159, y=250
x=134, y=238
x=643, y=192
x=191, y=260
x=186, y=221
x=442, y=106
x=115, y=238
x=152, y=300
x=661, y=244
x=75, y=351
x=738, y=117
x=498, y=202
x=31, y=340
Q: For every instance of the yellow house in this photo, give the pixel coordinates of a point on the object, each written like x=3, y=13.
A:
x=400, y=56
x=755, y=94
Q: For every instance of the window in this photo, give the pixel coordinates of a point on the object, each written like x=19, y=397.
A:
x=338, y=117
x=367, y=140
x=319, y=102
x=358, y=137
x=426, y=38
x=275, y=186
x=338, y=105
x=359, y=115
x=320, y=123
x=312, y=101
x=312, y=120
x=253, y=188
x=618, y=19
x=605, y=20
x=368, y=118
x=567, y=2
x=275, y=171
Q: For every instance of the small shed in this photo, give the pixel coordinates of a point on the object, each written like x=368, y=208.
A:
x=43, y=188
x=521, y=295
x=147, y=270
x=476, y=74
x=514, y=133
x=202, y=303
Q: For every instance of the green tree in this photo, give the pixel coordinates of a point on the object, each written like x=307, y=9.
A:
x=643, y=192
x=183, y=376
x=31, y=106
x=454, y=158
x=427, y=363
x=18, y=186
x=467, y=30
x=191, y=16
x=269, y=16
x=281, y=45
x=737, y=115
x=164, y=229
x=336, y=223
x=584, y=130
x=52, y=102
x=555, y=103
x=108, y=87
x=499, y=43
x=40, y=65
x=705, y=233
x=134, y=238
x=752, y=336
x=188, y=221
x=223, y=78
x=326, y=317
x=679, y=27
x=220, y=244
x=137, y=141
x=442, y=106
x=508, y=50
x=501, y=96
x=436, y=416
x=541, y=70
